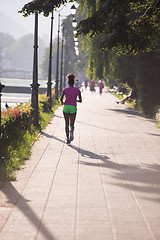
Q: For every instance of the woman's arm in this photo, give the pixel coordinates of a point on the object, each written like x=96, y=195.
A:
x=61, y=99
x=80, y=98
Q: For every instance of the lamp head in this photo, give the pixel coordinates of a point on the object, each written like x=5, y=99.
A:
x=76, y=44
x=74, y=23
x=73, y=10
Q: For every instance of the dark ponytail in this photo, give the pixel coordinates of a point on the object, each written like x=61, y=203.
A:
x=71, y=78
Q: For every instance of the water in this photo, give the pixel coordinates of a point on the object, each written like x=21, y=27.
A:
x=15, y=98
x=22, y=82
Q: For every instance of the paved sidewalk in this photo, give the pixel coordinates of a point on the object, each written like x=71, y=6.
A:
x=104, y=186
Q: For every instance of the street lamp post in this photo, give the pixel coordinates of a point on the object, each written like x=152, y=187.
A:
x=61, y=75
x=35, y=85
x=63, y=52
x=49, y=83
x=64, y=65
x=57, y=67
x=1, y=87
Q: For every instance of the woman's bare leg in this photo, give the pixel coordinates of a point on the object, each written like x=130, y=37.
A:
x=72, y=120
x=66, y=118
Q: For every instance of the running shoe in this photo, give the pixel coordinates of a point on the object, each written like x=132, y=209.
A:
x=71, y=135
x=68, y=141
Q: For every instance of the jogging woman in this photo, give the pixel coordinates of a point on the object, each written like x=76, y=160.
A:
x=70, y=106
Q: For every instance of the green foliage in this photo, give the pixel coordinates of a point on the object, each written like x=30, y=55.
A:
x=15, y=119
x=158, y=124
x=123, y=30
x=140, y=72
x=158, y=116
x=82, y=64
x=18, y=134
x=147, y=74
x=45, y=61
x=125, y=71
x=16, y=151
x=45, y=6
x=20, y=51
x=70, y=57
x=43, y=103
x=91, y=58
x=132, y=26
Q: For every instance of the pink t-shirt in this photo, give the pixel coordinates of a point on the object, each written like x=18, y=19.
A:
x=71, y=94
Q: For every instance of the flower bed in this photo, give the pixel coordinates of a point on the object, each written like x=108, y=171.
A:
x=14, y=120
x=18, y=134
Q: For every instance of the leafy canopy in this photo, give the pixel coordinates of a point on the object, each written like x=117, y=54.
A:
x=42, y=6
x=130, y=25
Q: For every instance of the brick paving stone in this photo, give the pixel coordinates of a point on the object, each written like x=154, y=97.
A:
x=104, y=186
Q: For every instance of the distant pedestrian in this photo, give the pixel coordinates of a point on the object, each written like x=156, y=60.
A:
x=70, y=106
x=86, y=84
x=77, y=84
x=92, y=86
x=101, y=86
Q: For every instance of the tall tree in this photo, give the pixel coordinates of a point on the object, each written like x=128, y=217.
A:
x=119, y=26
x=21, y=52
x=6, y=40
x=130, y=25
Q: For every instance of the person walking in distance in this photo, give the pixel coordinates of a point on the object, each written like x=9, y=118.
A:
x=71, y=94
x=101, y=86
x=92, y=86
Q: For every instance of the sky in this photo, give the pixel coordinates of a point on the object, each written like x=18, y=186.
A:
x=11, y=8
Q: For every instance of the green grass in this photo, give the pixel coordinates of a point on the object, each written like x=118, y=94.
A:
x=18, y=150
x=133, y=104
x=158, y=124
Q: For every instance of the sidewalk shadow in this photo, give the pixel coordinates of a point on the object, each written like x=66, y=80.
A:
x=95, y=126
x=88, y=154
x=46, y=135
x=51, y=136
x=85, y=123
x=149, y=179
x=147, y=183
x=100, y=114
x=133, y=173
x=15, y=198
x=57, y=116
x=129, y=111
x=106, y=163
x=132, y=112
